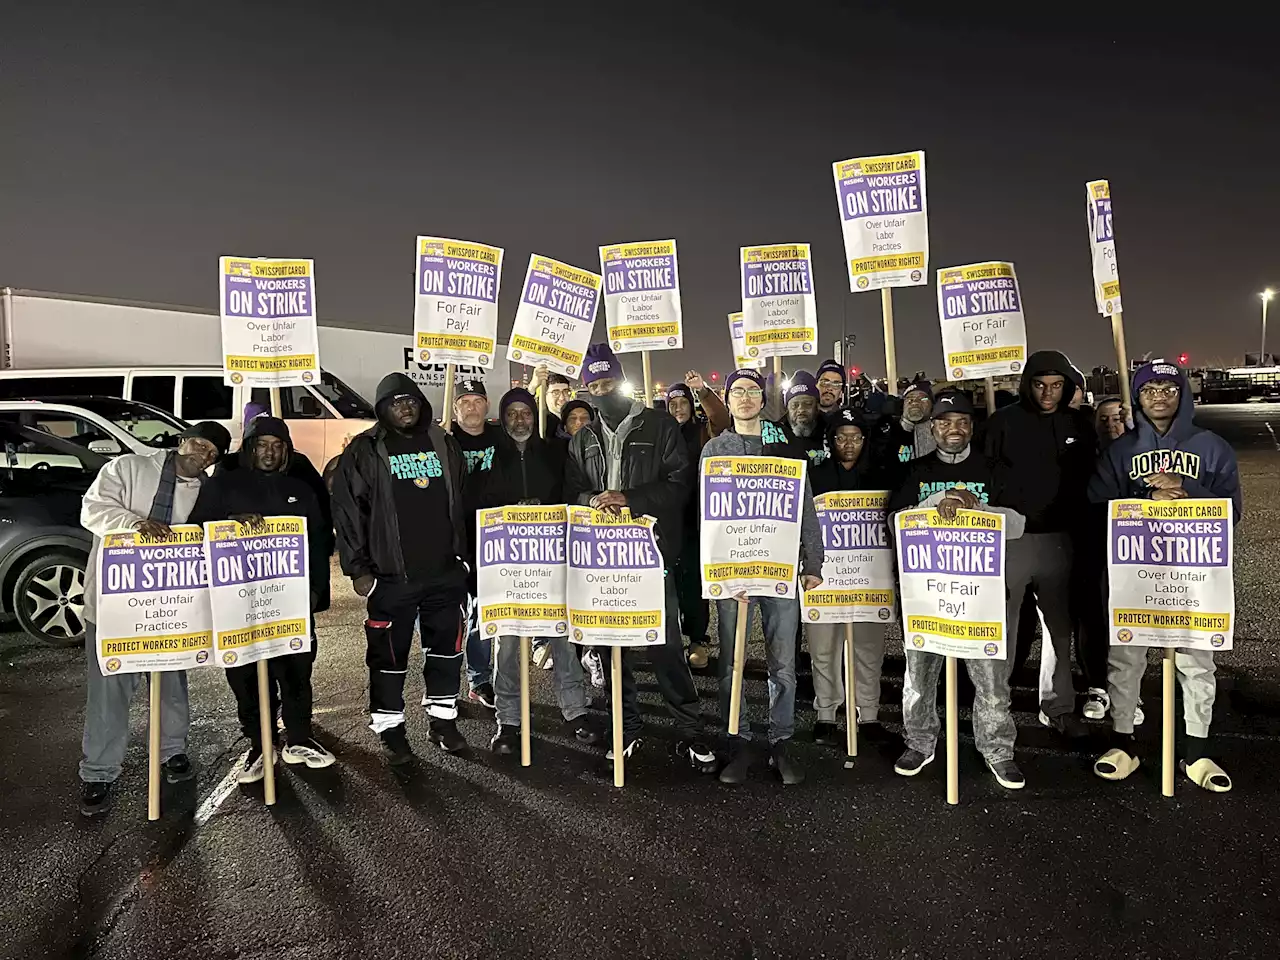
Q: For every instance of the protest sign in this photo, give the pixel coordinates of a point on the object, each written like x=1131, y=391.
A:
x=556, y=313
x=1169, y=566
x=268, y=322
x=952, y=582
x=740, y=359
x=521, y=570
x=750, y=536
x=1102, y=247
x=616, y=590
x=153, y=602
x=779, y=311
x=259, y=589
x=455, y=305
x=642, y=296
x=980, y=310
x=857, y=568
x=885, y=220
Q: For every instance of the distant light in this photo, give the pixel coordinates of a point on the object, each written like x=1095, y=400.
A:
x=1267, y=294
x=627, y=389
x=715, y=376
x=786, y=384
x=855, y=371
x=1183, y=358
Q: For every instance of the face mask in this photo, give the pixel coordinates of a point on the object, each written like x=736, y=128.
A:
x=613, y=406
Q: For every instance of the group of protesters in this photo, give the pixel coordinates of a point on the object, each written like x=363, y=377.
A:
x=405, y=494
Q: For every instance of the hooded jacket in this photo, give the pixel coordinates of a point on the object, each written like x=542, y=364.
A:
x=1048, y=457
x=532, y=475
x=734, y=444
x=830, y=477
x=364, y=512
x=656, y=475
x=1204, y=461
x=244, y=490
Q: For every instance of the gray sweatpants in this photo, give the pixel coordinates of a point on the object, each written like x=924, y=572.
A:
x=567, y=680
x=826, y=654
x=106, y=715
x=1043, y=560
x=993, y=728
x=1195, y=668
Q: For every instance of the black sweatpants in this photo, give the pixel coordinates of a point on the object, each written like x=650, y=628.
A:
x=695, y=612
x=439, y=608
x=290, y=692
x=671, y=672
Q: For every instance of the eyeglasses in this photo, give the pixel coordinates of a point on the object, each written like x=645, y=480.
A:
x=746, y=393
x=1161, y=390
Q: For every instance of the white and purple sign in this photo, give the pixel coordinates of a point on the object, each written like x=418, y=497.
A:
x=750, y=533
x=455, y=311
x=268, y=312
x=857, y=568
x=1170, y=570
x=520, y=571
x=1102, y=247
x=951, y=577
x=779, y=309
x=616, y=589
x=556, y=314
x=885, y=221
x=740, y=359
x=259, y=589
x=153, y=602
x=642, y=296
x=980, y=312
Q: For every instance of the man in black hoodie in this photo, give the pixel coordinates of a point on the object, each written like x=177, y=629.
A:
x=402, y=536
x=1048, y=452
x=634, y=457
x=261, y=487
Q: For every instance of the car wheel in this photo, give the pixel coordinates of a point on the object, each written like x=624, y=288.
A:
x=49, y=599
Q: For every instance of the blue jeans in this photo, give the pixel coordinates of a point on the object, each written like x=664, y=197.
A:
x=781, y=623
x=479, y=651
x=568, y=680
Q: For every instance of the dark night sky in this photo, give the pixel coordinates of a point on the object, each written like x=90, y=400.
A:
x=141, y=142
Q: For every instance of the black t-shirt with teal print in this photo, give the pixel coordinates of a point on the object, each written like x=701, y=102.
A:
x=929, y=474
x=422, y=504
x=479, y=450
x=779, y=441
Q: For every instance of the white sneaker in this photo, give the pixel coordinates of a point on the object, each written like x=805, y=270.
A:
x=1138, y=715
x=310, y=753
x=1096, y=704
x=252, y=769
x=595, y=669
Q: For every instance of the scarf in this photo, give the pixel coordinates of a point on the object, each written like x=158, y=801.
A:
x=162, y=502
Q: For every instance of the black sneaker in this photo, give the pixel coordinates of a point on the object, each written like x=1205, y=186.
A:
x=96, y=798
x=789, y=769
x=444, y=734
x=699, y=755
x=395, y=746
x=178, y=768
x=911, y=762
x=583, y=731
x=826, y=734
x=628, y=747
x=873, y=731
x=1066, y=725
x=482, y=693
x=1007, y=774
x=735, y=771
x=506, y=741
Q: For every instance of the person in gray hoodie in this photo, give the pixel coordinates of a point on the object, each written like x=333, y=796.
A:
x=745, y=392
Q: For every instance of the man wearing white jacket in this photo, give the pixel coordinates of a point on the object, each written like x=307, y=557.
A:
x=147, y=493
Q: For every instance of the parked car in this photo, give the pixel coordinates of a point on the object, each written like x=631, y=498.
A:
x=321, y=416
x=43, y=548
x=106, y=425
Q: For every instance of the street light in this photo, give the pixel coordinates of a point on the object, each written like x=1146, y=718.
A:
x=1266, y=296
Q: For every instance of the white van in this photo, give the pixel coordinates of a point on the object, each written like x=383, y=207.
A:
x=321, y=416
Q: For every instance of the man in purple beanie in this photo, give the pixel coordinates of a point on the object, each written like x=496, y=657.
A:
x=800, y=434
x=634, y=457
